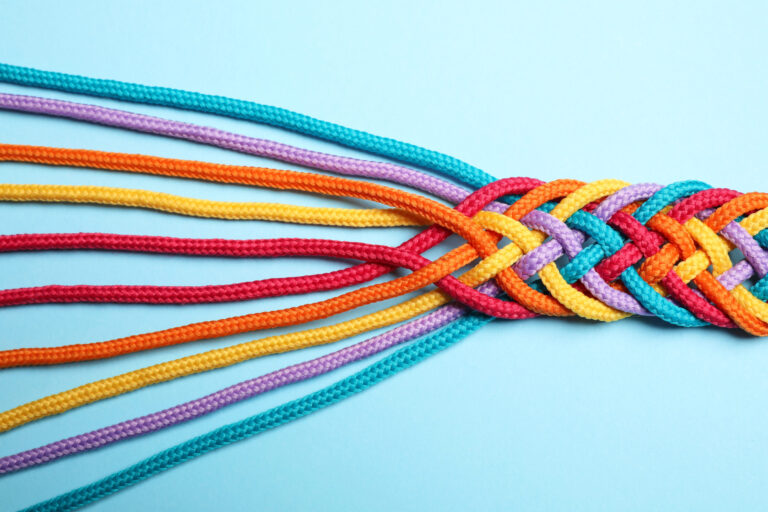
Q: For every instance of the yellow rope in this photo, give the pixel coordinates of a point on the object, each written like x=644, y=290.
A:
x=348, y=217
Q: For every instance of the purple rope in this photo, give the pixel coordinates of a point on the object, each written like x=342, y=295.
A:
x=238, y=392
x=755, y=257
x=753, y=253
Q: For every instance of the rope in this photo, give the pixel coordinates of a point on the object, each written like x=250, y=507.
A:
x=631, y=250
x=249, y=111
x=110, y=196
x=400, y=360
x=236, y=393
x=527, y=241
x=217, y=358
x=448, y=217
x=241, y=143
x=576, y=198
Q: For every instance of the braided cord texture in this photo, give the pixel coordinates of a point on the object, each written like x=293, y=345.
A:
x=678, y=222
x=275, y=178
x=647, y=244
x=608, y=199
x=628, y=223
x=542, y=304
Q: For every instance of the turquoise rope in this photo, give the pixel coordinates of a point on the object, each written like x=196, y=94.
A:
x=667, y=196
x=398, y=361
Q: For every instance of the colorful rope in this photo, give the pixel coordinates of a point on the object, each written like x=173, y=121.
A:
x=249, y=111
x=734, y=205
x=182, y=412
x=401, y=360
x=241, y=143
x=631, y=250
x=110, y=196
x=236, y=393
x=580, y=303
x=705, y=313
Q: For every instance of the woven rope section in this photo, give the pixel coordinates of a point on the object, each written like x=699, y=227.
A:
x=686, y=253
x=631, y=249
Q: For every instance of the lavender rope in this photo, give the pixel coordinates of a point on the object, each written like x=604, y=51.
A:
x=241, y=143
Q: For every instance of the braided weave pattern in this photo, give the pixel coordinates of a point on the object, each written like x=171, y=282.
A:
x=747, y=314
x=615, y=252
x=219, y=138
x=275, y=417
x=640, y=249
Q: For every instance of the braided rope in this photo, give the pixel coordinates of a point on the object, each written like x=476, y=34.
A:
x=189, y=410
x=528, y=241
x=561, y=293
x=225, y=173
x=254, y=425
x=434, y=211
x=672, y=235
x=145, y=164
x=246, y=144
x=212, y=440
x=260, y=147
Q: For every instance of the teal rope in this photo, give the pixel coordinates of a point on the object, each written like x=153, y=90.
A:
x=398, y=361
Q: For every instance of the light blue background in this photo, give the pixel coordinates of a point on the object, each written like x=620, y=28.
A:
x=533, y=415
